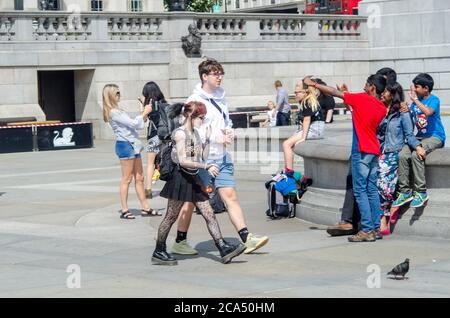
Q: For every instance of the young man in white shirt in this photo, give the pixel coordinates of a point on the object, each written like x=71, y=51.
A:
x=210, y=92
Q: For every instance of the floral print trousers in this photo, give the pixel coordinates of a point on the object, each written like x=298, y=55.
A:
x=387, y=180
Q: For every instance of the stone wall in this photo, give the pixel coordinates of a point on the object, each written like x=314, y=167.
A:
x=412, y=36
x=131, y=49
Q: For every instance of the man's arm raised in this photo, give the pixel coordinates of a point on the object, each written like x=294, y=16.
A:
x=328, y=90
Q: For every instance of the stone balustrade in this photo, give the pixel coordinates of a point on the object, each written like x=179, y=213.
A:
x=286, y=29
x=7, y=32
x=107, y=26
x=281, y=27
x=61, y=28
x=339, y=27
x=222, y=28
x=134, y=28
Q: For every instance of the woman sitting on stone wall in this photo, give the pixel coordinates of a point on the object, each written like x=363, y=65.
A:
x=313, y=123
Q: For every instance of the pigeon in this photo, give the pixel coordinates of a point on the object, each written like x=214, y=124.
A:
x=400, y=270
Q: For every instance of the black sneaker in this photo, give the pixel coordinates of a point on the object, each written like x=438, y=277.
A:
x=161, y=257
x=229, y=251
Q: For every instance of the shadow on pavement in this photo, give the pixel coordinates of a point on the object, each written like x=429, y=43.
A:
x=417, y=214
x=402, y=210
x=206, y=248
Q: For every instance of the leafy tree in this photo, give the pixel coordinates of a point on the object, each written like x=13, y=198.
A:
x=199, y=5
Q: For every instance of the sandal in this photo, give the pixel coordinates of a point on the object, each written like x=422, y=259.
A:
x=150, y=212
x=394, y=215
x=127, y=215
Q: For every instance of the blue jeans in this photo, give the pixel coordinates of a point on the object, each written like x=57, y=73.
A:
x=365, y=174
x=283, y=119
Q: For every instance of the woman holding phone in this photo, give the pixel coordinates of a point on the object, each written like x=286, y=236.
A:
x=128, y=147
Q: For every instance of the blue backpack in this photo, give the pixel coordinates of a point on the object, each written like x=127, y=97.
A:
x=286, y=185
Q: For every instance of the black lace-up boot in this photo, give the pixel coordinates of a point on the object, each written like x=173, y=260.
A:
x=229, y=251
x=161, y=257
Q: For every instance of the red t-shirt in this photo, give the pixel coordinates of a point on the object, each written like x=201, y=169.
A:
x=368, y=112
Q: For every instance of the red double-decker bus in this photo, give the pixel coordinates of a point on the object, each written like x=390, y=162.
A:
x=332, y=6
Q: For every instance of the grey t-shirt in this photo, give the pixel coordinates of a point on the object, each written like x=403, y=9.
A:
x=283, y=100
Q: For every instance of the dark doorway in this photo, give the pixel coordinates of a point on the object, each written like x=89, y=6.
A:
x=56, y=95
x=18, y=4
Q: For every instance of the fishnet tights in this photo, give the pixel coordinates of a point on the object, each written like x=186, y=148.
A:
x=173, y=210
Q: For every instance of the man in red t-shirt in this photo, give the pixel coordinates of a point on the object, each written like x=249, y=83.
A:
x=368, y=112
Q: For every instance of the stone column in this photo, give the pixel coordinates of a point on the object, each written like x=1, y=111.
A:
x=24, y=27
x=181, y=68
x=30, y=5
x=83, y=5
x=7, y=5
x=115, y=6
x=153, y=5
x=253, y=31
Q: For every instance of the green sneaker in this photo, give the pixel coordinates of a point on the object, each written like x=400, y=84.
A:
x=254, y=242
x=183, y=248
x=420, y=198
x=402, y=199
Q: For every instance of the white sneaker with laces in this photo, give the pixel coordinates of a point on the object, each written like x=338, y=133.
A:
x=255, y=242
x=183, y=248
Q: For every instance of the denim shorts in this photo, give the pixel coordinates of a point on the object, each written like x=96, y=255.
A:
x=225, y=179
x=125, y=151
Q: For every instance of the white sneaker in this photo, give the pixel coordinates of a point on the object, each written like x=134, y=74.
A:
x=183, y=248
x=254, y=242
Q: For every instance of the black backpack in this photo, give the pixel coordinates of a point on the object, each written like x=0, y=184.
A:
x=166, y=164
x=284, y=206
x=167, y=124
x=216, y=203
x=279, y=206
